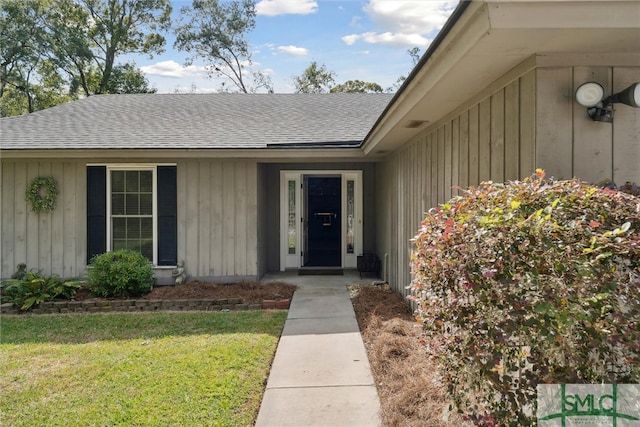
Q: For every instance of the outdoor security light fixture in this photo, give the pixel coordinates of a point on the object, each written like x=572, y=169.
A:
x=599, y=108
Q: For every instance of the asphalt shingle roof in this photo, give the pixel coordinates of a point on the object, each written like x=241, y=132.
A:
x=197, y=121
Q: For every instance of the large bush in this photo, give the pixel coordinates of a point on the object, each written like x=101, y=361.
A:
x=529, y=282
x=120, y=273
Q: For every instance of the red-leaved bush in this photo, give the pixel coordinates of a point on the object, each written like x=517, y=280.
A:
x=525, y=283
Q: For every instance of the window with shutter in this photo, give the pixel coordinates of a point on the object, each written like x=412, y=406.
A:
x=133, y=207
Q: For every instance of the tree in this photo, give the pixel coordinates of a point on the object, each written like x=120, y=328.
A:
x=21, y=35
x=68, y=46
x=125, y=27
x=50, y=90
x=128, y=79
x=52, y=50
x=414, y=53
x=357, y=86
x=314, y=79
x=215, y=31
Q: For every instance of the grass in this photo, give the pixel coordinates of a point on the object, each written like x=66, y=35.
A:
x=147, y=369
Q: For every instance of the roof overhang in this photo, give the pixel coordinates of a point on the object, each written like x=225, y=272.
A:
x=259, y=154
x=484, y=40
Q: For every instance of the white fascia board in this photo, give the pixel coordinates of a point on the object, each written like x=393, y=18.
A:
x=271, y=153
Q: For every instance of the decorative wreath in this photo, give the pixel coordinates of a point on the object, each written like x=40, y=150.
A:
x=42, y=193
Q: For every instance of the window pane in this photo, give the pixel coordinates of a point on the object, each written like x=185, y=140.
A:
x=119, y=244
x=146, y=228
x=119, y=228
x=117, y=181
x=291, y=232
x=131, y=181
x=117, y=204
x=146, y=248
x=146, y=204
x=350, y=215
x=133, y=228
x=133, y=245
x=146, y=182
x=132, y=204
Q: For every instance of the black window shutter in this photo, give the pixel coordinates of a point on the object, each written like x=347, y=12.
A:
x=96, y=211
x=167, y=215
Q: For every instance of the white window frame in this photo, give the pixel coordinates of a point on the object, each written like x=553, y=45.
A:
x=134, y=167
x=287, y=260
x=349, y=260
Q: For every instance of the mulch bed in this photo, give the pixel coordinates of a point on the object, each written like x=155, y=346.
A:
x=248, y=292
x=410, y=391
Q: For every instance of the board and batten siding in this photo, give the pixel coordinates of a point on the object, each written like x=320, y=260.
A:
x=217, y=218
x=492, y=139
x=569, y=144
x=52, y=242
x=529, y=122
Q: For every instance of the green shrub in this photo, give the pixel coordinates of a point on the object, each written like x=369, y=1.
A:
x=120, y=273
x=33, y=289
x=526, y=283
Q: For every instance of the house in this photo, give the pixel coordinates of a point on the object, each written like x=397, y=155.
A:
x=213, y=180
x=239, y=185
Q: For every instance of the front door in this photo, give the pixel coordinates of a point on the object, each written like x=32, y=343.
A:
x=321, y=218
x=322, y=242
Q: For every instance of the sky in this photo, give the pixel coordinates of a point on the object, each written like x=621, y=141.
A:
x=356, y=39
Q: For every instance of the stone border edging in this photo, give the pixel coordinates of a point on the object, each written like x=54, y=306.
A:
x=140, y=305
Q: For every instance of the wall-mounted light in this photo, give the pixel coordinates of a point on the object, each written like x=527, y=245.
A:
x=599, y=108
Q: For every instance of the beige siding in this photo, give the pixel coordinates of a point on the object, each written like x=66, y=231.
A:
x=531, y=121
x=511, y=131
x=496, y=158
x=591, y=157
x=217, y=218
x=554, y=107
x=474, y=172
x=527, y=123
x=52, y=242
x=626, y=148
x=463, y=159
x=569, y=144
x=387, y=208
x=481, y=142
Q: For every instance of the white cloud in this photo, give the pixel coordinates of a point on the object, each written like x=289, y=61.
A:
x=286, y=7
x=410, y=16
x=388, y=38
x=403, y=22
x=173, y=69
x=294, y=50
x=350, y=39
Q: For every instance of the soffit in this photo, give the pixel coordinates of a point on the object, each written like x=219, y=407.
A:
x=491, y=38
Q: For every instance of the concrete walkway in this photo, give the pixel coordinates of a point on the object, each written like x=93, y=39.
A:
x=320, y=375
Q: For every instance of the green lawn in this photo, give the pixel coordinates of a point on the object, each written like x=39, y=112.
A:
x=151, y=369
